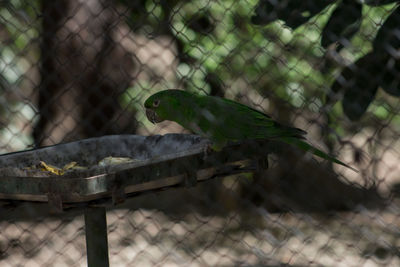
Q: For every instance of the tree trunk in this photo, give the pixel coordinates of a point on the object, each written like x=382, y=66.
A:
x=83, y=73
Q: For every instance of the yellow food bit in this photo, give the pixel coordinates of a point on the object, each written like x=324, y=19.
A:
x=70, y=165
x=53, y=169
x=115, y=160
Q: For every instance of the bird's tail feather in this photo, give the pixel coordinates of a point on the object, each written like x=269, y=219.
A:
x=309, y=148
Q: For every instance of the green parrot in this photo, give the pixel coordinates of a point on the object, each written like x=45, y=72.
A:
x=223, y=120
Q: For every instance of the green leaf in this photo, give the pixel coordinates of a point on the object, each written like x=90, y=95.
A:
x=360, y=82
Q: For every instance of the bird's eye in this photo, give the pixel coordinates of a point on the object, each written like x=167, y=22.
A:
x=156, y=103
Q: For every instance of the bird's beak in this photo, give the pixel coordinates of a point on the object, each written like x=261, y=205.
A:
x=152, y=116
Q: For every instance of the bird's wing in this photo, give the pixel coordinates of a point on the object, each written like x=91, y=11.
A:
x=251, y=123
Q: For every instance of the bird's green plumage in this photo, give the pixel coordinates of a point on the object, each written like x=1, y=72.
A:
x=223, y=120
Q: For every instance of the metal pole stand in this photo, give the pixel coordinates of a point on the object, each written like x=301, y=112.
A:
x=96, y=237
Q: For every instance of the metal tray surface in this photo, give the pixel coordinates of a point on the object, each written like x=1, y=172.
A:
x=159, y=161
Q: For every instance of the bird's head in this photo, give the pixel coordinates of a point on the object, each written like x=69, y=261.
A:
x=152, y=105
x=160, y=106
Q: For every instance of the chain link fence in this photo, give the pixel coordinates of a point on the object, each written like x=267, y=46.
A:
x=71, y=70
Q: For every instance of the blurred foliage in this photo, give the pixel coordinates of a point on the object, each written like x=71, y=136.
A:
x=18, y=54
x=259, y=53
x=343, y=24
x=379, y=68
x=293, y=12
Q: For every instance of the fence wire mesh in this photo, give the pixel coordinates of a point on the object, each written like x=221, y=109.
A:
x=77, y=69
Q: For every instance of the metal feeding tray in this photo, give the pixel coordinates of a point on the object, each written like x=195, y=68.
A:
x=151, y=162
x=154, y=162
